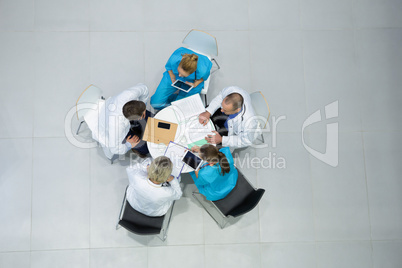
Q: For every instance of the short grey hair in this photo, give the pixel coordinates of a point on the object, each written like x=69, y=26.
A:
x=160, y=169
x=235, y=99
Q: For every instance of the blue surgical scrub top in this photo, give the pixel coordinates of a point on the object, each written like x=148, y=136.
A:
x=211, y=183
x=204, y=65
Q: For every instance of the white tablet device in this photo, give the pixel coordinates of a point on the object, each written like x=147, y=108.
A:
x=192, y=160
x=182, y=86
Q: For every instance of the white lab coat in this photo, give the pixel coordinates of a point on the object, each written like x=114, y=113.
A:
x=147, y=197
x=108, y=125
x=244, y=128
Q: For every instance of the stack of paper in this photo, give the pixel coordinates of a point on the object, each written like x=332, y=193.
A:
x=187, y=111
x=190, y=106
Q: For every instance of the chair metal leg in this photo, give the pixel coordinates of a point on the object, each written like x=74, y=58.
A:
x=114, y=157
x=78, y=130
x=166, y=221
x=217, y=65
x=212, y=210
x=123, y=207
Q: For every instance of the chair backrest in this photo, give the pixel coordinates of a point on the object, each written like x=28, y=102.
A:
x=260, y=105
x=139, y=223
x=204, y=90
x=90, y=95
x=248, y=204
x=202, y=42
x=242, y=199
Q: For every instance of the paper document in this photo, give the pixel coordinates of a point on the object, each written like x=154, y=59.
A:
x=176, y=152
x=196, y=131
x=190, y=106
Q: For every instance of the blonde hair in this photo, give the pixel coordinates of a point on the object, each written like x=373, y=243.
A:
x=160, y=169
x=189, y=63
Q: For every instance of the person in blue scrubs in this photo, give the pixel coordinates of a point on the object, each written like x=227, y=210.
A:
x=183, y=64
x=218, y=176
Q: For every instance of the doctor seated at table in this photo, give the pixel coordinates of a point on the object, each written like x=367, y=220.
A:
x=217, y=178
x=234, y=118
x=148, y=191
x=187, y=66
x=115, y=125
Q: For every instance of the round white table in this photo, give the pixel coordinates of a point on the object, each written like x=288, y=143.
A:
x=184, y=131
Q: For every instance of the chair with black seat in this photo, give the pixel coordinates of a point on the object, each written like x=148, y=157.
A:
x=242, y=199
x=141, y=224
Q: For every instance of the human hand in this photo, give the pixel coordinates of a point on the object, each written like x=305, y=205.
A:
x=172, y=76
x=190, y=84
x=170, y=178
x=133, y=140
x=197, y=82
x=195, y=149
x=203, y=118
x=214, y=139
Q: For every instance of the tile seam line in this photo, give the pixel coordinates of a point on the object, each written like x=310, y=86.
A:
x=89, y=151
x=32, y=182
x=80, y=249
x=333, y=241
x=302, y=31
x=199, y=245
x=33, y=129
x=203, y=235
x=133, y=31
x=250, y=30
x=308, y=136
x=368, y=199
x=251, y=85
x=148, y=253
x=220, y=30
x=358, y=85
x=226, y=30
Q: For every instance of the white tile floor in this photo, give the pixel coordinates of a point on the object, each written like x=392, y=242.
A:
x=59, y=203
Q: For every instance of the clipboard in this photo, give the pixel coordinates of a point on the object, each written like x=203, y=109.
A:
x=159, y=131
x=175, y=152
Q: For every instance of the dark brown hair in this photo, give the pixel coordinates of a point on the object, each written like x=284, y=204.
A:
x=133, y=110
x=235, y=99
x=210, y=153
